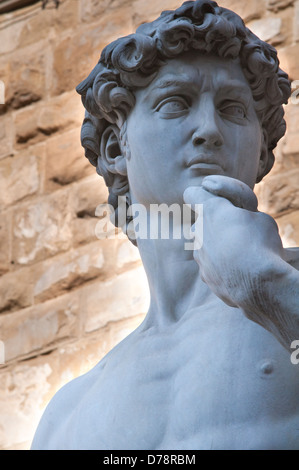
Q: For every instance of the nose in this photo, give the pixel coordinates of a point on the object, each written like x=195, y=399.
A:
x=207, y=132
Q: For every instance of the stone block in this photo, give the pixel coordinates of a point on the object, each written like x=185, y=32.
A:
x=285, y=161
x=48, y=22
x=267, y=29
x=276, y=5
x=24, y=76
x=291, y=140
x=65, y=160
x=142, y=13
x=9, y=36
x=279, y=194
x=124, y=296
x=76, y=55
x=36, y=123
x=20, y=175
x=39, y=327
x=291, y=146
x=24, y=393
x=5, y=236
x=6, y=135
x=288, y=57
x=296, y=22
x=247, y=10
x=64, y=272
x=92, y=10
x=84, y=230
x=289, y=229
x=42, y=228
x=16, y=290
x=86, y=195
x=127, y=255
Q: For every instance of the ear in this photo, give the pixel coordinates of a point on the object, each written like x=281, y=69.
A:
x=263, y=163
x=113, y=158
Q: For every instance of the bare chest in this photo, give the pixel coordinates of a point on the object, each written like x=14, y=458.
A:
x=192, y=387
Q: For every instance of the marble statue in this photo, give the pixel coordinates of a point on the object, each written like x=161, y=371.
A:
x=188, y=111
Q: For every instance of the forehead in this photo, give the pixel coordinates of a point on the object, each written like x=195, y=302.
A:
x=199, y=72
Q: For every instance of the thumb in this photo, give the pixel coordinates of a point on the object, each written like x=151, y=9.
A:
x=235, y=191
x=196, y=195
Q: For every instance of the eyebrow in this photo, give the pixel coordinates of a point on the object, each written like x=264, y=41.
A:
x=168, y=82
x=228, y=86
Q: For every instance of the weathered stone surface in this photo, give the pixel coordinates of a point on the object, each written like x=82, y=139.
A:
x=275, y=5
x=142, y=13
x=32, y=40
x=288, y=61
x=291, y=144
x=292, y=116
x=127, y=254
x=280, y=193
x=86, y=195
x=247, y=10
x=6, y=135
x=267, y=29
x=5, y=237
x=20, y=175
x=39, y=327
x=34, y=124
x=24, y=76
x=291, y=140
x=296, y=22
x=65, y=162
x=64, y=272
x=26, y=389
x=289, y=229
x=9, y=36
x=93, y=10
x=72, y=59
x=16, y=290
x=121, y=297
x=24, y=393
x=42, y=228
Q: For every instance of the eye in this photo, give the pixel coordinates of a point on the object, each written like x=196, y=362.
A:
x=235, y=110
x=172, y=107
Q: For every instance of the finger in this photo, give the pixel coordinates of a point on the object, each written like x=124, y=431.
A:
x=195, y=196
x=237, y=192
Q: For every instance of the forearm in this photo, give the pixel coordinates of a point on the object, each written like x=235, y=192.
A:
x=272, y=300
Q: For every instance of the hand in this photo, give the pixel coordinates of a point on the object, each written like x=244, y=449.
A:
x=240, y=244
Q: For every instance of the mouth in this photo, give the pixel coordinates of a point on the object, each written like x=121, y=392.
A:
x=205, y=165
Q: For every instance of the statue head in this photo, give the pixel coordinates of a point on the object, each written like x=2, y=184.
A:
x=131, y=63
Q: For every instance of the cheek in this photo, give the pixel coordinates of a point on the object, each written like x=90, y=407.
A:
x=246, y=146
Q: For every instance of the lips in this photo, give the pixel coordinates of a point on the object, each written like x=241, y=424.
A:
x=206, y=163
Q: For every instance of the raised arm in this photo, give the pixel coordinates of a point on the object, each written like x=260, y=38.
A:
x=242, y=258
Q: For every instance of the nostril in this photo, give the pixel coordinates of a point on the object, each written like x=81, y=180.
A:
x=198, y=141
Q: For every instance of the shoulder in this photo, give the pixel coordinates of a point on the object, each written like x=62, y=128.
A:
x=292, y=257
x=51, y=431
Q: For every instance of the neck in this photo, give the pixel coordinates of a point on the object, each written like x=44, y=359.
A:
x=174, y=280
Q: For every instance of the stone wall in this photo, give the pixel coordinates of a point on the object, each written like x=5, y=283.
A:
x=66, y=298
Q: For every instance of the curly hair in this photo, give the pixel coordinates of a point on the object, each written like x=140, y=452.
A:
x=132, y=62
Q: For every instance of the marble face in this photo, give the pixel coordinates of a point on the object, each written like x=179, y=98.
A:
x=196, y=118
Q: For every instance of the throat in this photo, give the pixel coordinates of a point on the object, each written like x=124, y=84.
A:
x=174, y=280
